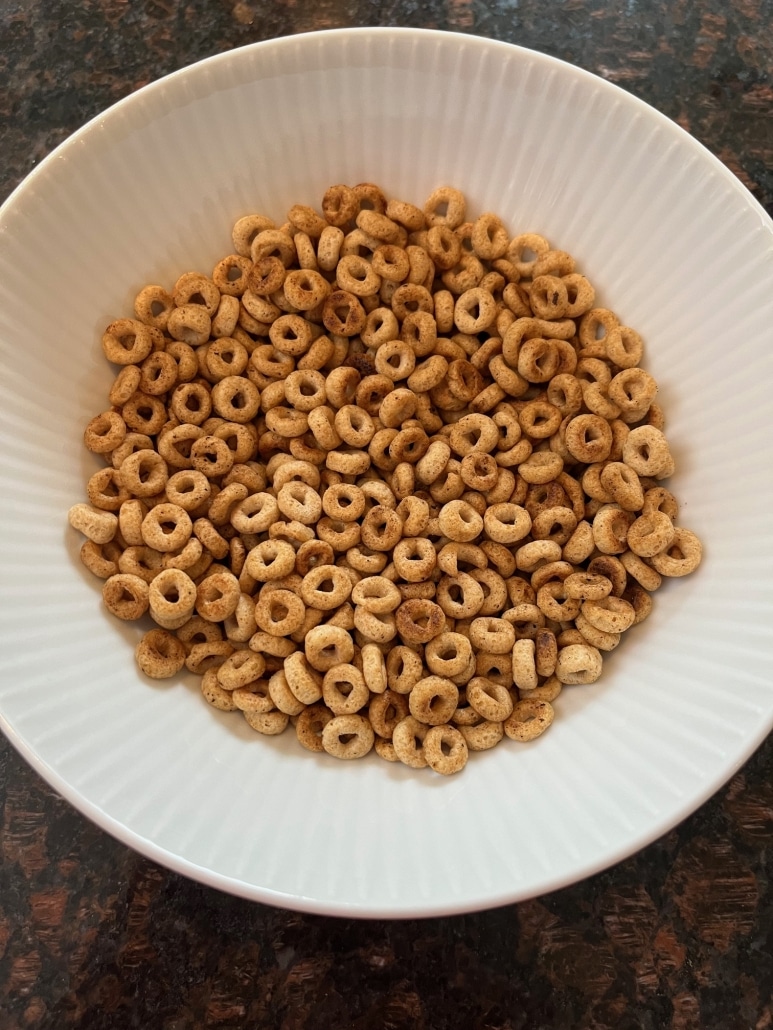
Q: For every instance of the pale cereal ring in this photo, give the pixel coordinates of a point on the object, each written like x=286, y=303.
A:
x=646, y=451
x=166, y=527
x=270, y=560
x=529, y=720
x=236, y=399
x=348, y=736
x=99, y=526
x=475, y=311
x=506, y=523
x=326, y=646
x=270, y=724
x=623, y=485
x=309, y=727
x=598, y=638
x=491, y=635
x=325, y=587
x=255, y=514
x=460, y=596
x=459, y=521
x=344, y=690
x=650, y=534
x=254, y=697
x=241, y=627
x=589, y=438
x=644, y=575
x=524, y=664
x=125, y=596
x=433, y=700
x=239, y=669
x=524, y=250
x=304, y=681
x=525, y=618
x=445, y=206
x=491, y=700
x=482, y=736
x=144, y=473
x=408, y=741
x=657, y=498
x=541, y=467
x=610, y=615
x=160, y=654
x=208, y=655
x=172, y=597
x=376, y=594
x=187, y=489
x=556, y=524
x=210, y=538
x=300, y=502
x=282, y=696
x=578, y=663
x=215, y=694
x=624, y=347
x=445, y=750
x=101, y=559
x=212, y=456
x=681, y=557
x=311, y=554
x=448, y=654
x=404, y=668
x=610, y=529
x=280, y=613
x=587, y=586
x=385, y=711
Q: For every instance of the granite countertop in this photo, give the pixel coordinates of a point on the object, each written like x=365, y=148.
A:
x=680, y=936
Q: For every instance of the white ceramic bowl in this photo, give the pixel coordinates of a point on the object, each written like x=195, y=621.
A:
x=673, y=243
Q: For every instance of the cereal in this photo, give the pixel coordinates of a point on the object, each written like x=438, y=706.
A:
x=386, y=474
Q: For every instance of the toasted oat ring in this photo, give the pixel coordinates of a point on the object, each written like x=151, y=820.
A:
x=304, y=681
x=408, y=740
x=549, y=297
x=448, y=654
x=212, y=456
x=418, y=621
x=624, y=347
x=382, y=528
x=376, y=594
x=475, y=311
x=623, y=485
x=541, y=467
x=344, y=690
x=343, y=501
x=270, y=560
x=474, y=434
x=506, y=523
x=598, y=638
x=385, y=711
x=253, y=697
x=310, y=725
x=127, y=341
x=646, y=451
x=188, y=489
x=445, y=750
x=491, y=700
x=375, y=627
x=610, y=615
x=374, y=668
x=460, y=596
x=326, y=646
x=459, y=521
x=354, y=426
x=414, y=559
x=578, y=663
x=348, y=736
x=414, y=512
x=160, y=654
x=215, y=694
x=433, y=700
x=492, y=635
x=396, y=360
x=633, y=389
x=239, y=669
x=529, y=720
x=343, y=314
x=586, y=586
x=445, y=206
x=657, y=498
x=125, y=596
x=255, y=513
x=482, y=736
x=166, y=527
x=208, y=655
x=325, y=587
x=270, y=724
x=610, y=529
x=589, y=438
x=645, y=576
x=104, y=432
x=144, y=473
x=681, y=557
x=479, y=471
x=524, y=664
x=280, y=612
x=217, y=596
x=650, y=534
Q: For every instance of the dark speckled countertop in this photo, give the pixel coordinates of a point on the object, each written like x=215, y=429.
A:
x=681, y=936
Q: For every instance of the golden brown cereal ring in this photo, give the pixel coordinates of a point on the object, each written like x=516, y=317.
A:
x=325, y=587
x=445, y=206
x=524, y=664
x=326, y=646
x=598, y=638
x=433, y=700
x=589, y=438
x=681, y=557
x=281, y=695
x=408, y=740
x=445, y=750
x=460, y=596
x=280, y=613
x=125, y=596
x=610, y=615
x=208, y=655
x=239, y=669
x=418, y=621
x=166, y=527
x=104, y=432
x=99, y=526
x=127, y=341
x=304, y=681
x=215, y=694
x=491, y=700
x=160, y=654
x=541, y=467
x=610, y=529
x=254, y=697
x=482, y=736
x=270, y=560
x=506, y=523
x=448, y=654
x=578, y=663
x=492, y=636
x=385, y=711
x=650, y=534
x=344, y=690
x=271, y=724
x=529, y=720
x=657, y=498
x=645, y=576
x=376, y=594
x=310, y=725
x=646, y=451
x=609, y=566
x=348, y=736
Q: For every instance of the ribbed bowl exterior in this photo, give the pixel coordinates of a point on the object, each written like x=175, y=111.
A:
x=673, y=244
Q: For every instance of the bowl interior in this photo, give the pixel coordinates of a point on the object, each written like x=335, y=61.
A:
x=673, y=244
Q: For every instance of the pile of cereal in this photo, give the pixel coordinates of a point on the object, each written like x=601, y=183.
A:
x=386, y=475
